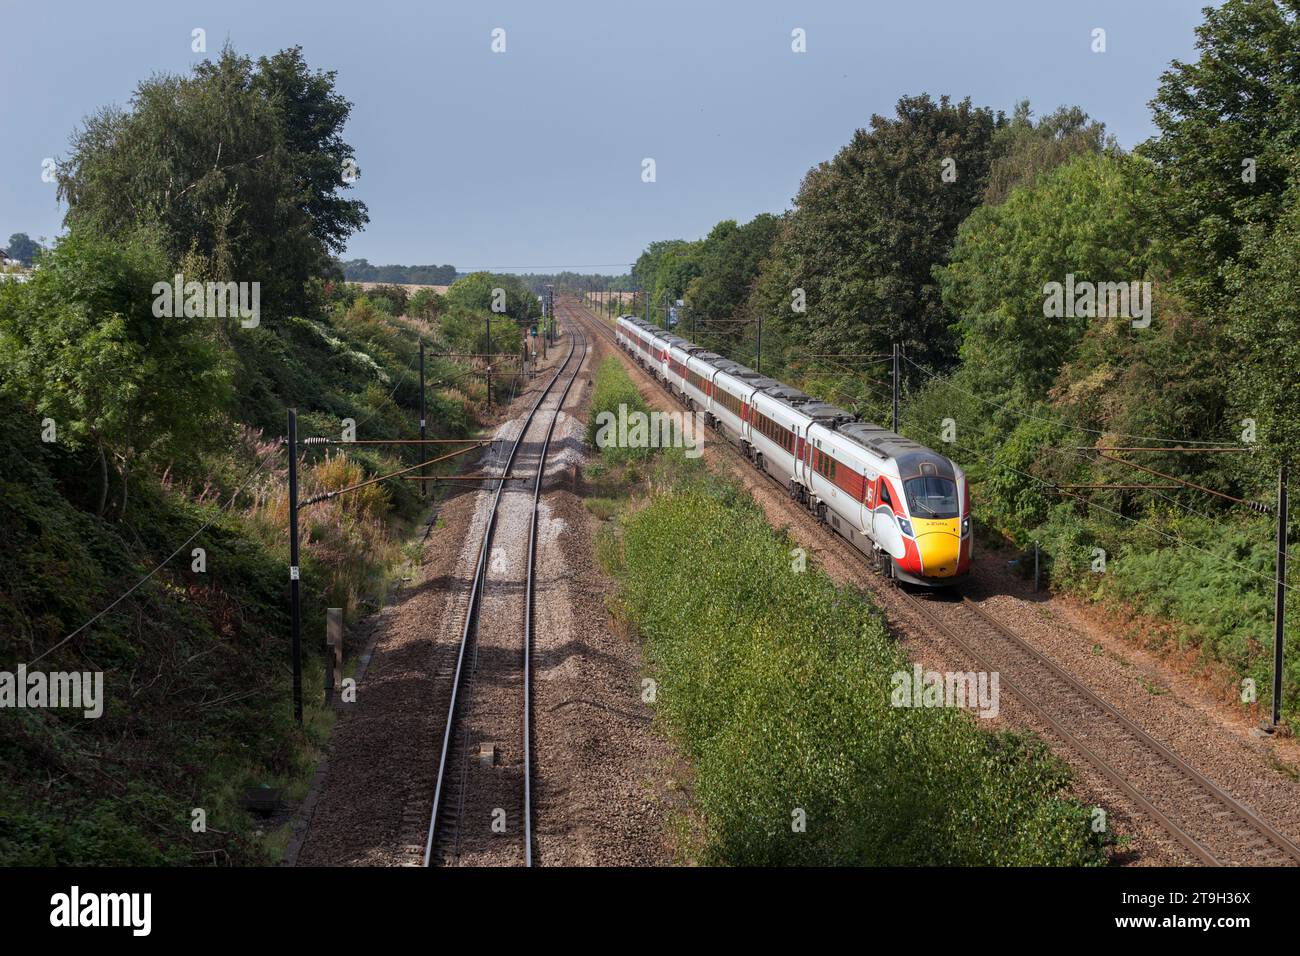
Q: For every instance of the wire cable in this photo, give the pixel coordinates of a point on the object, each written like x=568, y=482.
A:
x=138, y=584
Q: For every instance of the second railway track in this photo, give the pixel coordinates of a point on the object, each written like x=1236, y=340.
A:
x=1211, y=824
x=482, y=802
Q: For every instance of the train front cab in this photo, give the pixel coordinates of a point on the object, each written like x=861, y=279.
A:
x=934, y=517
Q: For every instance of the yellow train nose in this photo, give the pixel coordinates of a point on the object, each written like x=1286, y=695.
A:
x=940, y=552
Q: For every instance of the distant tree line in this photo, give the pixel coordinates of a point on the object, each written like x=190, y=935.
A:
x=360, y=270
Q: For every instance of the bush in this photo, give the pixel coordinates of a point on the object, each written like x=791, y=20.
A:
x=614, y=389
x=778, y=685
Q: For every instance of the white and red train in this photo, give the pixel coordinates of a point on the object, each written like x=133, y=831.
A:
x=904, y=505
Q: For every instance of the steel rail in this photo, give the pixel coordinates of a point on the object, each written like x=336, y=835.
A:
x=471, y=611
x=528, y=607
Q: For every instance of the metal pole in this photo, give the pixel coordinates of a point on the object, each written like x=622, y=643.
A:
x=295, y=606
x=488, y=350
x=1279, y=601
x=1035, y=567
x=758, y=348
x=895, y=428
x=422, y=412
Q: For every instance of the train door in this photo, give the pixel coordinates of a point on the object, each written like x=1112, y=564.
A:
x=884, y=525
x=868, y=500
x=800, y=469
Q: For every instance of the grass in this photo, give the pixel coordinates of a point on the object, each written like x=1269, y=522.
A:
x=777, y=686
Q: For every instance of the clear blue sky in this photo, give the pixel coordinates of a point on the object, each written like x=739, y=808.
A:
x=533, y=157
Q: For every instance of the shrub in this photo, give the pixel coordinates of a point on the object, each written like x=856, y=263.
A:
x=614, y=388
x=778, y=685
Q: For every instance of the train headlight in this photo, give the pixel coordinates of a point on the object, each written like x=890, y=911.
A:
x=906, y=527
x=965, y=526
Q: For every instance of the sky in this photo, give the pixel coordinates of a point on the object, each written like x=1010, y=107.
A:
x=531, y=159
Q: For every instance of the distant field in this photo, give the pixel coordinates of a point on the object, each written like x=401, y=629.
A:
x=408, y=286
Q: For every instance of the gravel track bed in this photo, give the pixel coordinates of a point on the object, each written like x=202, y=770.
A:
x=603, y=779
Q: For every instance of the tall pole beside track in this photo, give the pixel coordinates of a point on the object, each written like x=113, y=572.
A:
x=295, y=606
x=895, y=426
x=1279, y=600
x=488, y=372
x=422, y=411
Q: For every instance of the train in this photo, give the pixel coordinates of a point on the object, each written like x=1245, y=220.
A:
x=902, y=504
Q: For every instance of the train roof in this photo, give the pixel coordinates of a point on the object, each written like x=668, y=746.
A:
x=912, y=457
x=788, y=394
x=830, y=415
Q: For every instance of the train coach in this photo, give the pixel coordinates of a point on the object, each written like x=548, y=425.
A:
x=902, y=504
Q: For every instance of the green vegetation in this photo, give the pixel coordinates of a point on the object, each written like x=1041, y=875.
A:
x=267, y=210
x=137, y=438
x=359, y=270
x=614, y=389
x=23, y=248
x=778, y=686
x=1202, y=220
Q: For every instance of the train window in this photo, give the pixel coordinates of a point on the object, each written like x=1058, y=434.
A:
x=885, y=497
x=931, y=497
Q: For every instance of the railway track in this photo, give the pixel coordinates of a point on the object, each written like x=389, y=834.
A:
x=1212, y=825
x=484, y=783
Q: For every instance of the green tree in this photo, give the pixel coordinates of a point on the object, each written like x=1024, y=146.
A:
x=645, y=271
x=424, y=304
x=394, y=296
x=870, y=225
x=23, y=248
x=1025, y=149
x=234, y=166
x=1229, y=133
x=79, y=343
x=729, y=259
x=1082, y=219
x=1265, y=327
x=477, y=292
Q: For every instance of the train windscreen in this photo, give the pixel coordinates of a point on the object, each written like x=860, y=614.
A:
x=931, y=497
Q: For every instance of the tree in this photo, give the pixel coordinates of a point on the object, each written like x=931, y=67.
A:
x=1229, y=133
x=645, y=271
x=79, y=343
x=1025, y=149
x=729, y=260
x=424, y=304
x=312, y=117
x=23, y=248
x=477, y=292
x=394, y=297
x=232, y=166
x=1266, y=328
x=1081, y=219
x=870, y=225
